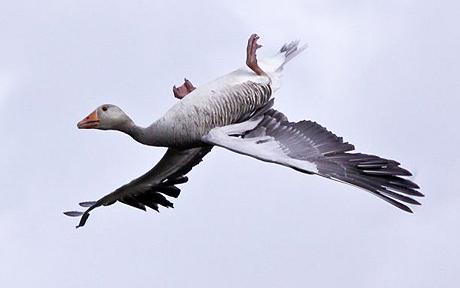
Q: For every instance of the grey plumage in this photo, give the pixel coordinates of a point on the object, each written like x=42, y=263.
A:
x=224, y=106
x=149, y=189
x=330, y=157
x=309, y=140
x=234, y=112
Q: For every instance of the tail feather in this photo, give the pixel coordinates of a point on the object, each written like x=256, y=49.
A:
x=290, y=50
x=273, y=66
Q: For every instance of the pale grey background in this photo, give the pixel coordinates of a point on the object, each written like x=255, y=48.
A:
x=383, y=74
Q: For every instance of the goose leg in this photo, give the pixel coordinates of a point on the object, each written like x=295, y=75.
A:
x=251, y=57
x=181, y=91
x=251, y=60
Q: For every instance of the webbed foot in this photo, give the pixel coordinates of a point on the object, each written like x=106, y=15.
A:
x=181, y=91
x=251, y=57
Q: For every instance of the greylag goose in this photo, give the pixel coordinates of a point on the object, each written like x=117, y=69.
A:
x=235, y=112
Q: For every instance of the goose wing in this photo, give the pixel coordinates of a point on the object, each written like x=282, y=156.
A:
x=150, y=189
x=310, y=148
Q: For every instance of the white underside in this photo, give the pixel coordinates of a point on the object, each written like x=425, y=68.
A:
x=264, y=148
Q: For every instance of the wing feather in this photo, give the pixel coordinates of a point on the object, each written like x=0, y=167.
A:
x=308, y=147
x=149, y=190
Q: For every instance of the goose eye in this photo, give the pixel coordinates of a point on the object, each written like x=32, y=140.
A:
x=104, y=108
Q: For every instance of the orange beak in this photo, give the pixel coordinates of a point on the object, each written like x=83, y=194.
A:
x=89, y=122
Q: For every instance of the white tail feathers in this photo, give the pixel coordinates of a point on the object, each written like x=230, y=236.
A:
x=274, y=65
x=290, y=50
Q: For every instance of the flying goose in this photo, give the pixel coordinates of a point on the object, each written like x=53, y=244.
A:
x=235, y=112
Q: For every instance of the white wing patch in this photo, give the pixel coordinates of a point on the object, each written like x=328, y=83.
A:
x=262, y=147
x=310, y=148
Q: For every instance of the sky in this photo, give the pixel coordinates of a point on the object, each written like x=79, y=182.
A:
x=382, y=74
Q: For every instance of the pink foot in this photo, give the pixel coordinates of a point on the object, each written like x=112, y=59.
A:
x=181, y=91
x=251, y=57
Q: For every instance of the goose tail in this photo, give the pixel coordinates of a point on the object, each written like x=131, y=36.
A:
x=273, y=66
x=289, y=51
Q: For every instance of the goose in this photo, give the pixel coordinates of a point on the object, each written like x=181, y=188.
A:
x=235, y=112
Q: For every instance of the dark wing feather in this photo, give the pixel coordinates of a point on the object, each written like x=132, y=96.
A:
x=332, y=157
x=310, y=148
x=149, y=190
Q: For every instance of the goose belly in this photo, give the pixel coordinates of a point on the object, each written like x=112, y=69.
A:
x=196, y=114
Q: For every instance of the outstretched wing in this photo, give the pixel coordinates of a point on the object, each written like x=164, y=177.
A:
x=150, y=189
x=310, y=148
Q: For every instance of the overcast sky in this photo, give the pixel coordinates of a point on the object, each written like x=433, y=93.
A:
x=382, y=74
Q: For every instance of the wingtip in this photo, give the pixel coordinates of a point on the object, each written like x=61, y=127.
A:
x=87, y=204
x=407, y=209
x=73, y=213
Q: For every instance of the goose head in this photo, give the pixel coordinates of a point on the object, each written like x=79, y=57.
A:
x=106, y=117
